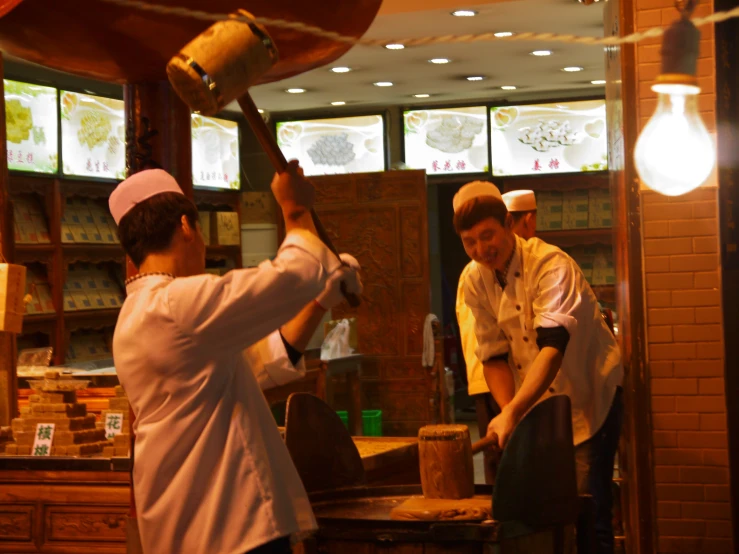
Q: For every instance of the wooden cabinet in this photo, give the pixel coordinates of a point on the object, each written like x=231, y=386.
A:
x=63, y=512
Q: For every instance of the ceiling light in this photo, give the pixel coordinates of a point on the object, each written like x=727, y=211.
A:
x=421, y=95
x=541, y=53
x=383, y=84
x=475, y=78
x=295, y=90
x=503, y=34
x=439, y=61
x=572, y=69
x=260, y=110
x=508, y=87
x=338, y=103
x=598, y=82
x=341, y=69
x=464, y=13
x=394, y=46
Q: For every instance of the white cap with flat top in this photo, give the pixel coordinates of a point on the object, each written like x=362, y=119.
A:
x=475, y=189
x=139, y=187
x=520, y=200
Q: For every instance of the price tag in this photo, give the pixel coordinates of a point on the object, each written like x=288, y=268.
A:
x=113, y=424
x=43, y=439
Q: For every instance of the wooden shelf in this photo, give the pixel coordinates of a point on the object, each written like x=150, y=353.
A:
x=39, y=318
x=35, y=247
x=107, y=313
x=223, y=249
x=572, y=237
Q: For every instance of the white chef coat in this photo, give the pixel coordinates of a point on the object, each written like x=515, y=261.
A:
x=476, y=383
x=211, y=473
x=545, y=288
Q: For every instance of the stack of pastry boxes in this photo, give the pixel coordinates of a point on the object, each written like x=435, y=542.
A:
x=75, y=431
x=121, y=441
x=86, y=221
x=89, y=287
x=30, y=225
x=40, y=290
x=576, y=209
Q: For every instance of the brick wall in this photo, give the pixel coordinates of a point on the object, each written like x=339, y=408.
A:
x=684, y=330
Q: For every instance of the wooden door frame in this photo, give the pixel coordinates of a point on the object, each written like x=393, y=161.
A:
x=727, y=115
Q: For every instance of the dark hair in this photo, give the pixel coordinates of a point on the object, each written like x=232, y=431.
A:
x=476, y=210
x=151, y=224
x=518, y=216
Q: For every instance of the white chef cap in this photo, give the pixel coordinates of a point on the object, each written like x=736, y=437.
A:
x=520, y=200
x=139, y=187
x=475, y=189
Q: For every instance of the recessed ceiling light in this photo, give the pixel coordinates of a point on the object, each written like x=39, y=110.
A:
x=475, y=78
x=541, y=53
x=508, y=87
x=383, y=84
x=341, y=69
x=598, y=82
x=464, y=13
x=421, y=95
x=572, y=69
x=394, y=46
x=439, y=61
x=338, y=103
x=260, y=110
x=503, y=34
x=295, y=90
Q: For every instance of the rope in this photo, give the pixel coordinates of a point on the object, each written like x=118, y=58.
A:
x=717, y=17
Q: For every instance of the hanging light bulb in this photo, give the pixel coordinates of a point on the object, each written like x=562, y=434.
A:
x=674, y=153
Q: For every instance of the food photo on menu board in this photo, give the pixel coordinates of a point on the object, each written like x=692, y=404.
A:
x=93, y=136
x=215, y=153
x=32, y=132
x=446, y=140
x=335, y=146
x=563, y=137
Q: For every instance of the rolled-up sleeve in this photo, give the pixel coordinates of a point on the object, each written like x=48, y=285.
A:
x=270, y=362
x=491, y=341
x=557, y=294
x=235, y=311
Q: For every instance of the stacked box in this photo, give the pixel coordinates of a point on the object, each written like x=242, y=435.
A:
x=575, y=209
x=90, y=288
x=40, y=291
x=86, y=221
x=604, y=272
x=227, y=228
x=599, y=209
x=548, y=211
x=30, y=224
x=75, y=432
x=584, y=257
x=88, y=346
x=204, y=218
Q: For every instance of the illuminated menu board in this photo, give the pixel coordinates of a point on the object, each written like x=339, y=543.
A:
x=215, y=153
x=93, y=136
x=549, y=138
x=31, y=127
x=444, y=141
x=335, y=146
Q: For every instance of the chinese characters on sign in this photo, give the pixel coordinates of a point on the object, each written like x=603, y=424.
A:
x=113, y=424
x=215, y=152
x=43, y=439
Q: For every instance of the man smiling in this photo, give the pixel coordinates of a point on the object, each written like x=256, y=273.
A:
x=540, y=333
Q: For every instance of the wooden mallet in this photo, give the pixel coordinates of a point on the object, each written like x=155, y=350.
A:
x=447, y=477
x=219, y=66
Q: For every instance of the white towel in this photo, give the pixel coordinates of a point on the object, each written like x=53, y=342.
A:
x=428, y=341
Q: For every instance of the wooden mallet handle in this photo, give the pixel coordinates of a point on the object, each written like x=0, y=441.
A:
x=279, y=162
x=490, y=441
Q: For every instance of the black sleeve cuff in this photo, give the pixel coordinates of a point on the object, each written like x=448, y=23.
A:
x=498, y=358
x=292, y=353
x=556, y=337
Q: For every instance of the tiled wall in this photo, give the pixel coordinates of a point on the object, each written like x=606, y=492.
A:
x=683, y=301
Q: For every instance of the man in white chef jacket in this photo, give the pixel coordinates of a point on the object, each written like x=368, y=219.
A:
x=521, y=204
x=540, y=333
x=194, y=350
